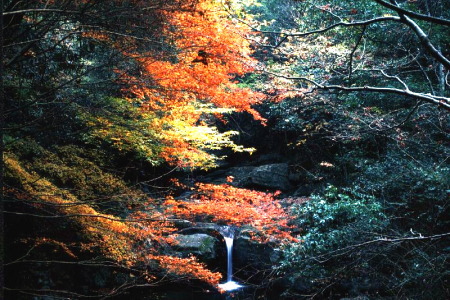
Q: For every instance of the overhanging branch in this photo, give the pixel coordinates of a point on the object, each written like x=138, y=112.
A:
x=443, y=102
x=95, y=216
x=40, y=10
x=440, y=21
x=425, y=41
x=343, y=251
x=335, y=25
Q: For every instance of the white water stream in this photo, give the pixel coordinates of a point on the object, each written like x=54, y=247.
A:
x=229, y=285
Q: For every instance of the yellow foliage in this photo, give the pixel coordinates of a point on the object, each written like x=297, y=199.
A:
x=122, y=241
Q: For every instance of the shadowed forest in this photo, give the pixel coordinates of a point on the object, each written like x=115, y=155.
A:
x=225, y=149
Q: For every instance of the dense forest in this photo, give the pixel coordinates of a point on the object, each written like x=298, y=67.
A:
x=140, y=136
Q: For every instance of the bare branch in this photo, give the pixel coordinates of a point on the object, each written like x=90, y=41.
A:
x=440, y=101
x=430, y=84
x=437, y=100
x=63, y=294
x=39, y=10
x=344, y=250
x=401, y=239
x=335, y=25
x=350, y=64
x=318, y=31
x=414, y=14
x=406, y=119
x=396, y=78
x=425, y=41
x=99, y=216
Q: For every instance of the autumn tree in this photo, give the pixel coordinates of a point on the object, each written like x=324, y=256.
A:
x=126, y=244
x=196, y=82
x=95, y=89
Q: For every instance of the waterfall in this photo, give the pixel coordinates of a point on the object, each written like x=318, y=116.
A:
x=229, y=242
x=228, y=235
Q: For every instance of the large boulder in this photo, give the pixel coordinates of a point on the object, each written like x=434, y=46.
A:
x=241, y=176
x=272, y=176
x=251, y=258
x=275, y=176
x=201, y=245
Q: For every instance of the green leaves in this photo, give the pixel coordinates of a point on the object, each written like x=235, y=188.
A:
x=331, y=221
x=336, y=208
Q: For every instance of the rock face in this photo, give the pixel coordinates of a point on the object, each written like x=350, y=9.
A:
x=251, y=257
x=241, y=176
x=199, y=244
x=273, y=176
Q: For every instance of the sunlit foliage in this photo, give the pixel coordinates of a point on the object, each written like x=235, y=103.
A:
x=235, y=206
x=181, y=90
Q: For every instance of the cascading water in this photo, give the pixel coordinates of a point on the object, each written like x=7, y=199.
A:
x=229, y=242
x=229, y=285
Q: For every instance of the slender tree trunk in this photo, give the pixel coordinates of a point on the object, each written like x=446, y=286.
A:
x=433, y=9
x=441, y=78
x=440, y=68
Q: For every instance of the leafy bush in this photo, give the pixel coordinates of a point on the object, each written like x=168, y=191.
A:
x=415, y=191
x=331, y=221
x=351, y=246
x=336, y=224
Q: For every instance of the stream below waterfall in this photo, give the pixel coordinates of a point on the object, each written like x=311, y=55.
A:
x=186, y=293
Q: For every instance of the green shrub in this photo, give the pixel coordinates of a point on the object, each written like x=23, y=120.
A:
x=332, y=221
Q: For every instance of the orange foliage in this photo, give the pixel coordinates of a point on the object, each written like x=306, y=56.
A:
x=180, y=89
x=225, y=51
x=187, y=267
x=227, y=204
x=211, y=52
